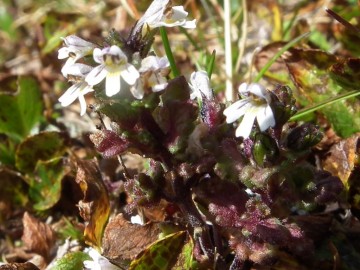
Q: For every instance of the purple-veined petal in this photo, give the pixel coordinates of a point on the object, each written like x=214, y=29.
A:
x=137, y=90
x=98, y=56
x=245, y=127
x=163, y=62
x=115, y=50
x=75, y=41
x=96, y=75
x=154, y=13
x=149, y=63
x=70, y=95
x=78, y=69
x=257, y=90
x=243, y=89
x=236, y=110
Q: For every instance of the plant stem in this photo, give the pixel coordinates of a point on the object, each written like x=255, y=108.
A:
x=168, y=52
x=229, y=93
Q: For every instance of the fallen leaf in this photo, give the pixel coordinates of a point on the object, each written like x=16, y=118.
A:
x=45, y=189
x=95, y=206
x=162, y=254
x=342, y=158
x=13, y=192
x=38, y=237
x=43, y=146
x=72, y=260
x=19, y=266
x=123, y=241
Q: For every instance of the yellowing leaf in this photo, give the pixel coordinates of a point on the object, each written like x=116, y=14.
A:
x=162, y=254
x=95, y=206
x=342, y=159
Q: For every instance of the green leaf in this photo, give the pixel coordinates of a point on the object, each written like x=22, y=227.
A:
x=45, y=188
x=13, y=191
x=43, y=146
x=309, y=71
x=186, y=259
x=161, y=254
x=6, y=23
x=73, y=260
x=7, y=152
x=20, y=112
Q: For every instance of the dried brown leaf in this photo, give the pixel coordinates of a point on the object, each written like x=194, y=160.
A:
x=19, y=266
x=123, y=241
x=95, y=206
x=38, y=237
x=342, y=158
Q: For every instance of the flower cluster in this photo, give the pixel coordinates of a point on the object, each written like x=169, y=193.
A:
x=229, y=184
x=114, y=64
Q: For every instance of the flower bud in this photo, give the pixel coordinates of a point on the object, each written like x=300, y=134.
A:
x=282, y=105
x=303, y=137
x=265, y=149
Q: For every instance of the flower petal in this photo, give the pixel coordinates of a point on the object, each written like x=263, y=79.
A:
x=96, y=75
x=137, y=90
x=98, y=56
x=178, y=13
x=82, y=105
x=236, y=110
x=130, y=74
x=243, y=89
x=265, y=118
x=149, y=63
x=189, y=24
x=63, y=53
x=159, y=87
x=153, y=14
x=79, y=70
x=200, y=83
x=69, y=62
x=244, y=129
x=257, y=90
x=70, y=95
x=112, y=86
x=75, y=41
x=115, y=50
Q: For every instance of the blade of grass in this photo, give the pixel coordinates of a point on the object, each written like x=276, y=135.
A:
x=321, y=105
x=210, y=64
x=278, y=54
x=168, y=52
x=191, y=40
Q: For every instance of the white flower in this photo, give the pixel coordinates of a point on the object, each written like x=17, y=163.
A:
x=113, y=65
x=200, y=85
x=153, y=72
x=75, y=48
x=137, y=220
x=256, y=104
x=160, y=13
x=98, y=262
x=79, y=89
